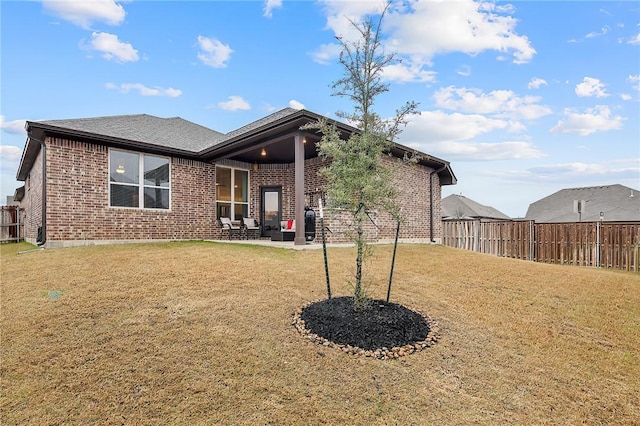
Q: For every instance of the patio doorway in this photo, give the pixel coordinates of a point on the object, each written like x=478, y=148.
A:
x=271, y=209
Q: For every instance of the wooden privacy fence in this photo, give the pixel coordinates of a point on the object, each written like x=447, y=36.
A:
x=11, y=224
x=597, y=244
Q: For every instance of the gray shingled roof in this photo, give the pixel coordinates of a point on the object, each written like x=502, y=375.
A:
x=176, y=135
x=172, y=132
x=460, y=207
x=619, y=203
x=261, y=122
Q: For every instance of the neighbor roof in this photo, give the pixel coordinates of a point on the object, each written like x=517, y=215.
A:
x=618, y=203
x=460, y=207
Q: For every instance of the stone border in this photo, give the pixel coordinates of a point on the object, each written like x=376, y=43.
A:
x=380, y=353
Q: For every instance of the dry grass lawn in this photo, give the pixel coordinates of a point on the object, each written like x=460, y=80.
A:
x=200, y=333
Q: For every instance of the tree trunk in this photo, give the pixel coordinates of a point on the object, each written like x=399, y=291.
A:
x=359, y=294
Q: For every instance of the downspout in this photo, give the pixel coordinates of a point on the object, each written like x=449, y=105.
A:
x=43, y=237
x=431, y=200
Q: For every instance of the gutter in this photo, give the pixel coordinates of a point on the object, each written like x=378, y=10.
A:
x=441, y=169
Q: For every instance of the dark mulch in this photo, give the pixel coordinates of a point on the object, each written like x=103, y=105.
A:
x=379, y=325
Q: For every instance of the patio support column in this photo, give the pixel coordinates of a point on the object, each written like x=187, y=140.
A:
x=299, y=189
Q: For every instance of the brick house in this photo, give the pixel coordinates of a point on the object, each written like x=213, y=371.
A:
x=144, y=178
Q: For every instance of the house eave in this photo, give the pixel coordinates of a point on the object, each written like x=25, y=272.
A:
x=39, y=131
x=445, y=172
x=289, y=124
x=283, y=127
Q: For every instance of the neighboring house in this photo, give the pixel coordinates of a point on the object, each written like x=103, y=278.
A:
x=611, y=203
x=11, y=201
x=459, y=207
x=140, y=177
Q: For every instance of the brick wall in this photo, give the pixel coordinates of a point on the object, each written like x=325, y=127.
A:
x=413, y=186
x=273, y=175
x=78, y=210
x=78, y=199
x=32, y=201
x=284, y=175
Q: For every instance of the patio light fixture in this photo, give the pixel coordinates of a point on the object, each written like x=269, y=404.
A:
x=263, y=152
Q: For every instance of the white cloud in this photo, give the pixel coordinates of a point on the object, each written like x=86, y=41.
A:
x=295, y=104
x=144, y=90
x=635, y=40
x=635, y=81
x=268, y=107
x=536, y=83
x=269, y=5
x=15, y=127
x=438, y=126
x=502, y=103
x=569, y=168
x=597, y=119
x=112, y=48
x=407, y=74
x=213, y=52
x=326, y=53
x=419, y=30
x=430, y=28
x=340, y=12
x=581, y=173
x=10, y=153
x=591, y=87
x=605, y=11
x=486, y=151
x=84, y=13
x=452, y=136
x=625, y=97
x=234, y=103
x=602, y=32
x=464, y=71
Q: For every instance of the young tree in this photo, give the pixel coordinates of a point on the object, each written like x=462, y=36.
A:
x=358, y=181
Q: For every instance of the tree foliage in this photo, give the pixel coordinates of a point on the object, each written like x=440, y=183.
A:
x=358, y=180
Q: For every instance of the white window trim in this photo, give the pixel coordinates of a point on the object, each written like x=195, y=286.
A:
x=233, y=193
x=141, y=186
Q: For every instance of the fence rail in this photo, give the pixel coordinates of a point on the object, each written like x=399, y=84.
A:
x=596, y=244
x=11, y=224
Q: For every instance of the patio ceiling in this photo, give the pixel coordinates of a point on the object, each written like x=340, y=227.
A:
x=278, y=151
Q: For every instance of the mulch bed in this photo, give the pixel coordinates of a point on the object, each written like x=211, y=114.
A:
x=380, y=330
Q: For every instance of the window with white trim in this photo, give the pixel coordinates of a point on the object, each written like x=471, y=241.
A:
x=232, y=193
x=139, y=180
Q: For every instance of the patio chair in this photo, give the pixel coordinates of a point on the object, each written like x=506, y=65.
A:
x=250, y=226
x=287, y=231
x=230, y=227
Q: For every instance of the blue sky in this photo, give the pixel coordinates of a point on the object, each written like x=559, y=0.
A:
x=523, y=98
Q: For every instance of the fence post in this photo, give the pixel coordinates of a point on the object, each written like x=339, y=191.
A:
x=18, y=225
x=597, y=265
